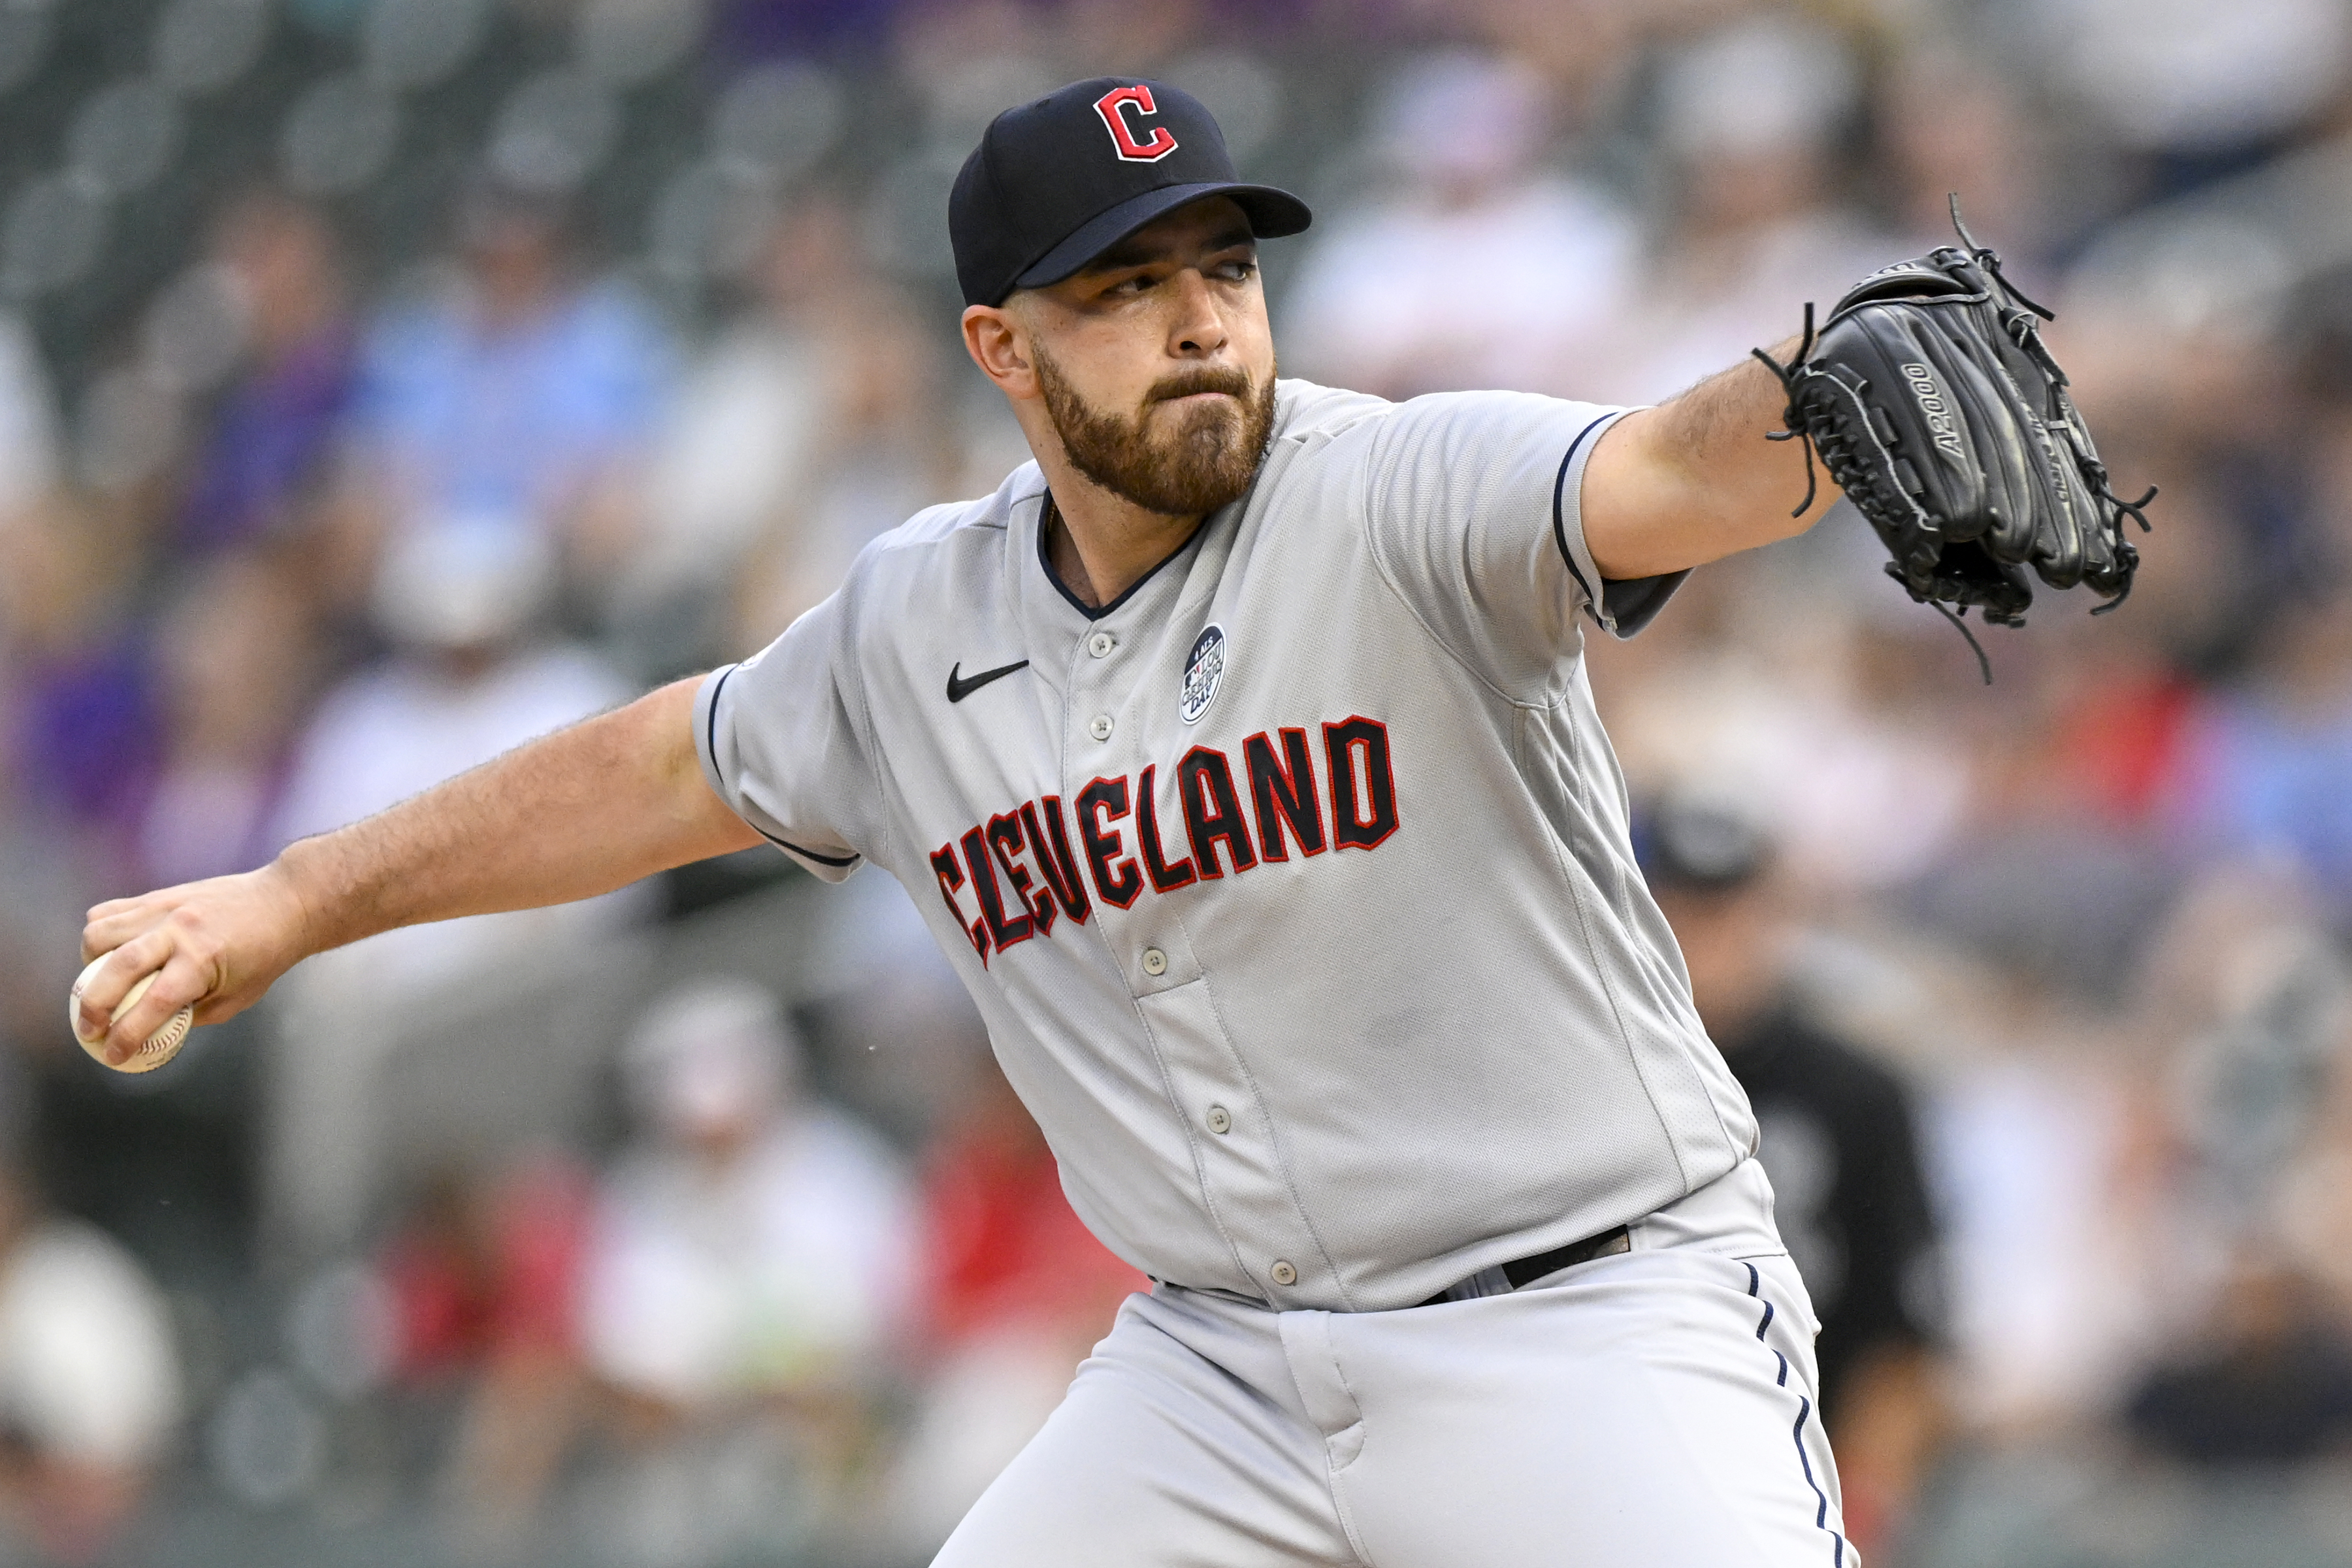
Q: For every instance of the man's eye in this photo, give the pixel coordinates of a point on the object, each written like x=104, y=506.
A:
x=1237, y=271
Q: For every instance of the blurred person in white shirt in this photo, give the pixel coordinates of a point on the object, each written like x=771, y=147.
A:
x=89, y=1379
x=752, y=1245
x=1483, y=268
x=472, y=673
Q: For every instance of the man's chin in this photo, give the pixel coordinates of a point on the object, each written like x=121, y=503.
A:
x=1176, y=488
x=1179, y=456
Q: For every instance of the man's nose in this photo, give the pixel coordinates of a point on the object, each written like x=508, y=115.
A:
x=1198, y=330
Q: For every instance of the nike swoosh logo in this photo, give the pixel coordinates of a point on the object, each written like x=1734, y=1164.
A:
x=960, y=688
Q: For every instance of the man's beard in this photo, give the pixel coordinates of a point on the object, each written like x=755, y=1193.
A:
x=1206, y=460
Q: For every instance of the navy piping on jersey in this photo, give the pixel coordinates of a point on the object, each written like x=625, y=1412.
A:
x=1559, y=524
x=1046, y=511
x=1797, y=1432
x=711, y=731
x=804, y=854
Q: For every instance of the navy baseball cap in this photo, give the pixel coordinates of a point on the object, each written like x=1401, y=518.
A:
x=1055, y=183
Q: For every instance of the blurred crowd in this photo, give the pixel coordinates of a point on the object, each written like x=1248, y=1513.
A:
x=385, y=382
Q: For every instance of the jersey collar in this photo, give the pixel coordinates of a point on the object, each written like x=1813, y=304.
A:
x=1046, y=512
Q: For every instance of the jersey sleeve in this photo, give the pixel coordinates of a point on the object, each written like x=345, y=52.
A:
x=779, y=744
x=1473, y=505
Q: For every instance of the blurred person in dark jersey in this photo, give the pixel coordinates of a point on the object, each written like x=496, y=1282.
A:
x=1840, y=1141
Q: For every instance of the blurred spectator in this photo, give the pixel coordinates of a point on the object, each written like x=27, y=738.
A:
x=236, y=656
x=90, y=1380
x=2198, y=91
x=81, y=742
x=2063, y=1230
x=515, y=398
x=1750, y=117
x=472, y=675
x=2122, y=719
x=1018, y=1290
x=1948, y=123
x=761, y=29
x=1583, y=48
x=1803, y=682
x=752, y=1244
x=2251, y=1000
x=1483, y=270
x=29, y=465
x=810, y=425
x=2268, y=1383
x=483, y=1269
x=1005, y=1251
x=483, y=1283
x=257, y=474
x=1840, y=1144
x=749, y=1275
x=2266, y=764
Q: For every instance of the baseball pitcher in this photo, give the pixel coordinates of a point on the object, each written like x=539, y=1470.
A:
x=1239, y=751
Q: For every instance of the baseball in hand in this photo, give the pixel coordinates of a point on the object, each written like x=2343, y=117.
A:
x=161, y=1047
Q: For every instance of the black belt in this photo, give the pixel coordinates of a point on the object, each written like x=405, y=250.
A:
x=1522, y=1271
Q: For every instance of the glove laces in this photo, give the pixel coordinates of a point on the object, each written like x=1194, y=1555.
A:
x=2061, y=422
x=1794, y=431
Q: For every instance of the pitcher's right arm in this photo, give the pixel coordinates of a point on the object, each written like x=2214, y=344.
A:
x=581, y=812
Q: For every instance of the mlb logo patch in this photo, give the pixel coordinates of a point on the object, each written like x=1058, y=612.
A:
x=1201, y=672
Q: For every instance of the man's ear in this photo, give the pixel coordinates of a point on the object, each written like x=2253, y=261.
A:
x=998, y=342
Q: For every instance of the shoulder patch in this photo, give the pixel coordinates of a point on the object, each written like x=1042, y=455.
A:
x=1202, y=670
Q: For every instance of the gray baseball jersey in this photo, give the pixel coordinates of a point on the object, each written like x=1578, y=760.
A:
x=1295, y=885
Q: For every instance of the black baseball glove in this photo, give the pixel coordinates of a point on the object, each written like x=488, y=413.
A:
x=1936, y=406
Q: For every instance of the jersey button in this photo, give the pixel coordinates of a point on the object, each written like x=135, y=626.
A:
x=1100, y=644
x=1220, y=1120
x=1284, y=1274
x=1100, y=727
x=1156, y=963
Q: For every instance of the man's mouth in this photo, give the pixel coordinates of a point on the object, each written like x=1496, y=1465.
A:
x=1195, y=392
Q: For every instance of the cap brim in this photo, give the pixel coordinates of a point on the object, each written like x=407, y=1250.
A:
x=1272, y=214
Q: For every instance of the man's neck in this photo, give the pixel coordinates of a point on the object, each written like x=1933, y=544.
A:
x=1100, y=544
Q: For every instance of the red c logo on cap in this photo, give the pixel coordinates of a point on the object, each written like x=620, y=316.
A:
x=1109, y=107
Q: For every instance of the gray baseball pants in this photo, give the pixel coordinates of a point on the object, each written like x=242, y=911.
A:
x=1651, y=1408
